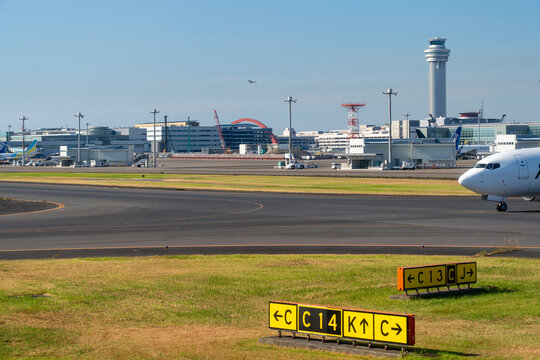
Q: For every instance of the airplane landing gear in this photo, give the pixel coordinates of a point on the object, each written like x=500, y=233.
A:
x=501, y=206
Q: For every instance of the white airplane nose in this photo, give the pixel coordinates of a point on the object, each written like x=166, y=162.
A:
x=467, y=180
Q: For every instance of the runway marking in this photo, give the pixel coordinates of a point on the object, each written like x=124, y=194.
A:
x=134, y=226
x=259, y=207
x=267, y=245
x=58, y=207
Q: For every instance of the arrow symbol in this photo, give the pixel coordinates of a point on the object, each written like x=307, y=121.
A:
x=470, y=272
x=410, y=278
x=364, y=323
x=277, y=316
x=398, y=329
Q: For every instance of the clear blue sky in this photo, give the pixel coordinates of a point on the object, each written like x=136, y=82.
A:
x=116, y=60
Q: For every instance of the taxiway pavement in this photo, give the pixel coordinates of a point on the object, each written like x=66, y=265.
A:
x=114, y=221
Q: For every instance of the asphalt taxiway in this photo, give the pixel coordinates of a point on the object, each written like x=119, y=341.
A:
x=99, y=221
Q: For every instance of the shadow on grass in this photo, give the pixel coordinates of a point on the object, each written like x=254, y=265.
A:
x=454, y=293
x=438, y=353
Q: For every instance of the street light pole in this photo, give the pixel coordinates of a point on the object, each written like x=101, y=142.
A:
x=390, y=92
x=24, y=118
x=154, y=111
x=79, y=115
x=290, y=101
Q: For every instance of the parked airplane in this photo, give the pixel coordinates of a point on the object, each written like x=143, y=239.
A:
x=455, y=136
x=16, y=155
x=507, y=174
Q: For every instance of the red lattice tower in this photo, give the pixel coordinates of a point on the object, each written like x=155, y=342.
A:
x=354, y=129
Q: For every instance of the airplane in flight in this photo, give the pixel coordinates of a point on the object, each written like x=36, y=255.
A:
x=513, y=173
x=252, y=81
x=17, y=155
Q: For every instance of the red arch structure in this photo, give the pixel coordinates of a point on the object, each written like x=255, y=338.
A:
x=258, y=123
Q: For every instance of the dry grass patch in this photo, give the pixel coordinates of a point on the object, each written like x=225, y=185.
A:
x=287, y=184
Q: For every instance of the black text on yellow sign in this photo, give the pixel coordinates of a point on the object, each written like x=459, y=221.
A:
x=343, y=323
x=421, y=277
x=319, y=320
x=378, y=327
x=283, y=316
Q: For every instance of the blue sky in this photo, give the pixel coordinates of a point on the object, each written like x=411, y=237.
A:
x=116, y=60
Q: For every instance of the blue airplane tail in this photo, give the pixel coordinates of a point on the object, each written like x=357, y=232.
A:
x=456, y=136
x=3, y=148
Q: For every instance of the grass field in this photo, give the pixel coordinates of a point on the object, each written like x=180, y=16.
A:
x=295, y=184
x=200, y=307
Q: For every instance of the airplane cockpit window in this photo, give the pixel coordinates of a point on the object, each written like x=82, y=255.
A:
x=480, y=166
x=493, y=166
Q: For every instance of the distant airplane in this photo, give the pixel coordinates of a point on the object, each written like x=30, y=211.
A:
x=252, y=81
x=16, y=155
x=508, y=174
x=455, y=136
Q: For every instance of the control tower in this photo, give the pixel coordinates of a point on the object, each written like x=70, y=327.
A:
x=437, y=56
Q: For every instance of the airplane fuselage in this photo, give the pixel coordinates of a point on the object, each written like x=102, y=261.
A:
x=507, y=174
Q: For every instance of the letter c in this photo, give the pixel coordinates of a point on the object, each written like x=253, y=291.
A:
x=286, y=321
x=420, y=274
x=304, y=319
x=382, y=331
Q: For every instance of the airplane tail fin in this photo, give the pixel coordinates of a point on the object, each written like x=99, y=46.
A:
x=456, y=136
x=31, y=148
x=420, y=134
x=3, y=148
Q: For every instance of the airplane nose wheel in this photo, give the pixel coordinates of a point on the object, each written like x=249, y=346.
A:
x=502, y=206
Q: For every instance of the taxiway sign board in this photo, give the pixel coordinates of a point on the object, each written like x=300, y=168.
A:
x=423, y=277
x=343, y=323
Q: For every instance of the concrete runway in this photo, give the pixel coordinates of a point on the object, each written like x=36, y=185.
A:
x=112, y=222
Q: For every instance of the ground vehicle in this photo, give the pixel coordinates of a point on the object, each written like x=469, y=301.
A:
x=293, y=164
x=336, y=166
x=408, y=166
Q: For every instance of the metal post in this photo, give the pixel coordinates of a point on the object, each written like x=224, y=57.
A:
x=9, y=132
x=164, y=140
x=24, y=118
x=188, y=135
x=154, y=111
x=79, y=115
x=290, y=100
x=390, y=92
x=87, y=134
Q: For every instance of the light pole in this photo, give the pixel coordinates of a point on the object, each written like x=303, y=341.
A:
x=79, y=115
x=24, y=118
x=154, y=111
x=87, y=133
x=390, y=92
x=290, y=101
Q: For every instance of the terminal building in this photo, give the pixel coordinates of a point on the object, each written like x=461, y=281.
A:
x=50, y=140
x=192, y=137
x=424, y=153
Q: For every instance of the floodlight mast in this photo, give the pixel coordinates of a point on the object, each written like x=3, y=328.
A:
x=290, y=100
x=154, y=111
x=24, y=118
x=390, y=92
x=79, y=115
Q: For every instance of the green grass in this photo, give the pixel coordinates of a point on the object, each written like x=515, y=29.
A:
x=299, y=184
x=200, y=307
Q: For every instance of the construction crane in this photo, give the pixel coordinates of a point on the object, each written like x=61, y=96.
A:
x=221, y=139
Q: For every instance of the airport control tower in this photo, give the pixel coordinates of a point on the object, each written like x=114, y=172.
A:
x=437, y=56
